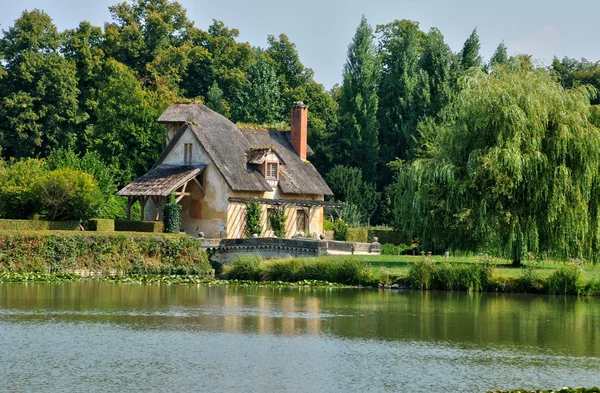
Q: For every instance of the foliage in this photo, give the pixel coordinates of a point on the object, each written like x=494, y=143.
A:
x=469, y=55
x=101, y=225
x=340, y=230
x=67, y=194
x=391, y=249
x=358, y=235
x=139, y=226
x=172, y=215
x=18, y=198
x=38, y=225
x=348, y=186
x=427, y=274
x=565, y=280
x=513, y=167
x=101, y=252
x=388, y=236
x=278, y=220
x=252, y=267
x=357, y=136
x=253, y=219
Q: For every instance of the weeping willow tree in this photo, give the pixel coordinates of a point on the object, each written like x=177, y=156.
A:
x=513, y=167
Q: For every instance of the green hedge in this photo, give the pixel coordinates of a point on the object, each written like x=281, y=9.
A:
x=101, y=252
x=139, y=226
x=358, y=235
x=38, y=225
x=388, y=236
x=101, y=225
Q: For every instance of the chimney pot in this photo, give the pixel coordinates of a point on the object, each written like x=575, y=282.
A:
x=299, y=128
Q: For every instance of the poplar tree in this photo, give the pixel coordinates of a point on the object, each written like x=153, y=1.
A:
x=469, y=55
x=358, y=129
x=500, y=56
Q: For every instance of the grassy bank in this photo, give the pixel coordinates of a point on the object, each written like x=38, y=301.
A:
x=124, y=253
x=424, y=273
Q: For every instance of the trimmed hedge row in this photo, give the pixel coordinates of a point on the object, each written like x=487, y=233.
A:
x=101, y=225
x=386, y=236
x=38, y=225
x=101, y=252
x=358, y=235
x=139, y=226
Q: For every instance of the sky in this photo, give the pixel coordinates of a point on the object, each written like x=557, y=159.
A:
x=323, y=29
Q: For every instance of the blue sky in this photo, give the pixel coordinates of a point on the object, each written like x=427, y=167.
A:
x=323, y=29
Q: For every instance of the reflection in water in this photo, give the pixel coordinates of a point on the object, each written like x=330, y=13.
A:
x=66, y=336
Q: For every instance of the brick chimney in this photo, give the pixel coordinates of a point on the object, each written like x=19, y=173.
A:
x=299, y=128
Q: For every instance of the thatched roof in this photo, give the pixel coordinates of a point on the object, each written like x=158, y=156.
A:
x=161, y=181
x=223, y=141
x=233, y=151
x=295, y=176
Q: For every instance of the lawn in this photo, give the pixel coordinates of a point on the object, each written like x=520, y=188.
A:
x=400, y=264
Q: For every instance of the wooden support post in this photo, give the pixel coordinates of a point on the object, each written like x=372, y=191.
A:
x=143, y=200
x=130, y=201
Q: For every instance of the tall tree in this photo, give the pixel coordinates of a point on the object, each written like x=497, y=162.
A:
x=38, y=97
x=513, y=168
x=469, y=55
x=401, y=47
x=359, y=127
x=500, y=56
x=260, y=100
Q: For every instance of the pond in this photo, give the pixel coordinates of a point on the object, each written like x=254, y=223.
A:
x=100, y=336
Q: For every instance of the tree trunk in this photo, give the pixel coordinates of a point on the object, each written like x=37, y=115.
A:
x=516, y=262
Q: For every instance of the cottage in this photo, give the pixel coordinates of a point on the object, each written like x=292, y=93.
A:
x=215, y=168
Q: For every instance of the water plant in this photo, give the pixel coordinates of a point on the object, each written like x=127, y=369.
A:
x=565, y=280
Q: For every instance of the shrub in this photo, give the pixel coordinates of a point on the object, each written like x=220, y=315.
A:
x=138, y=226
x=246, y=267
x=172, y=215
x=421, y=274
x=529, y=281
x=390, y=249
x=67, y=194
x=565, y=280
x=358, y=235
x=340, y=230
x=253, y=224
x=278, y=220
x=101, y=225
x=17, y=198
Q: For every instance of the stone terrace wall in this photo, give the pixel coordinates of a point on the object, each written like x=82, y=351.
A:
x=225, y=249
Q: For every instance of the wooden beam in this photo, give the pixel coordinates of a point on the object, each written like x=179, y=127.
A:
x=143, y=200
x=200, y=185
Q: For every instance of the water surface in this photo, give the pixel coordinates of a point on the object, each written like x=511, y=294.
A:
x=98, y=336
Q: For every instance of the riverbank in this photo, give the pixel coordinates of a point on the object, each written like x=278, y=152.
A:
x=100, y=253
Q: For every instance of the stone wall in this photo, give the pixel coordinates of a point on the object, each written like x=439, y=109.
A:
x=269, y=248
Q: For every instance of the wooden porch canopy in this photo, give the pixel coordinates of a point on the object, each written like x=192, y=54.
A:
x=160, y=182
x=293, y=202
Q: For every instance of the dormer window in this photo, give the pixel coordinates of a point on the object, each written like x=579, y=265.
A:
x=272, y=171
x=187, y=153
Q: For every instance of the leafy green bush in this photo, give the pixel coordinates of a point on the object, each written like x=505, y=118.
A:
x=246, y=267
x=529, y=281
x=18, y=200
x=253, y=224
x=101, y=225
x=340, y=230
x=172, y=215
x=252, y=267
x=138, y=226
x=390, y=249
x=358, y=235
x=278, y=220
x=426, y=274
x=565, y=280
x=67, y=194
